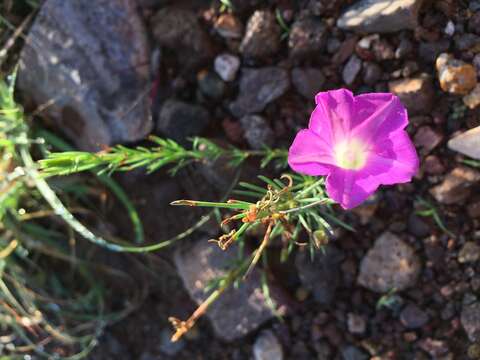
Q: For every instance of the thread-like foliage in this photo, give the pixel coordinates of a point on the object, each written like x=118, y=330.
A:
x=163, y=152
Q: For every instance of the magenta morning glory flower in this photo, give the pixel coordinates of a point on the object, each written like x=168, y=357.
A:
x=359, y=142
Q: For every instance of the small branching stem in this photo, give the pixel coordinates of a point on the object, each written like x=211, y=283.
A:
x=278, y=206
x=260, y=249
x=182, y=327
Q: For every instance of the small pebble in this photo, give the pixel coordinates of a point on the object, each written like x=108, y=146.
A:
x=267, y=347
x=308, y=36
x=210, y=84
x=473, y=351
x=257, y=132
x=351, y=69
x=417, y=227
x=356, y=323
x=404, y=49
x=417, y=94
x=226, y=66
x=372, y=73
x=412, y=317
x=435, y=348
x=308, y=81
x=301, y=294
x=410, y=336
x=228, y=26
x=427, y=139
x=449, y=29
x=470, y=252
x=472, y=100
x=262, y=36
x=456, y=185
x=433, y=165
x=351, y=352
x=455, y=76
x=470, y=319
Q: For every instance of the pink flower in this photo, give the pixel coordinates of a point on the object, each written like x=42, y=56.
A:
x=359, y=142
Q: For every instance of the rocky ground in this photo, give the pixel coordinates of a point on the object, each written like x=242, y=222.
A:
x=403, y=286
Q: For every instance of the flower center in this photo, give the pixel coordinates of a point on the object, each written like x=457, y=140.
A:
x=351, y=154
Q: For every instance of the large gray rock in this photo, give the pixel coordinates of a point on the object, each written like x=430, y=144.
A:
x=87, y=66
x=258, y=88
x=380, y=16
x=238, y=311
x=390, y=264
x=467, y=143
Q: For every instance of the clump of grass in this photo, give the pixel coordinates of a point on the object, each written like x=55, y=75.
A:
x=44, y=310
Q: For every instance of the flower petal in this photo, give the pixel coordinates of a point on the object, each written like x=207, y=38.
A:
x=349, y=187
x=378, y=115
x=310, y=154
x=333, y=114
x=321, y=125
x=393, y=160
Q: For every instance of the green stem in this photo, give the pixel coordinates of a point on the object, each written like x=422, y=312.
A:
x=308, y=189
x=235, y=205
x=300, y=208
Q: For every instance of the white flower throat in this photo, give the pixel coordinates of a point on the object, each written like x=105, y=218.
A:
x=351, y=154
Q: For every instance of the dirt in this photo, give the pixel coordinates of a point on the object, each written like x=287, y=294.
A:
x=422, y=321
